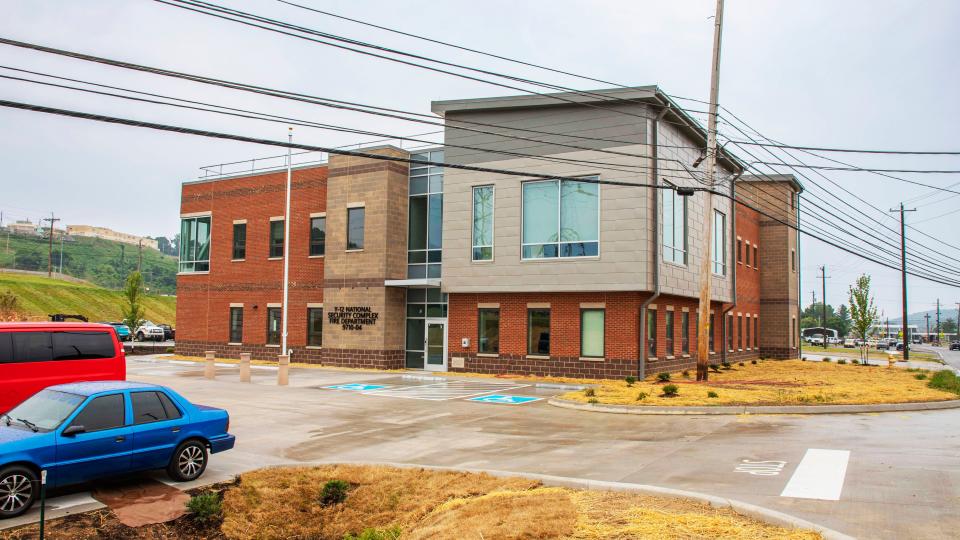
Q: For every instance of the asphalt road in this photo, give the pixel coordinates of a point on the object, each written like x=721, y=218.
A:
x=891, y=475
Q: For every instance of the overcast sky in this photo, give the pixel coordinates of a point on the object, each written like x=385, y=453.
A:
x=861, y=74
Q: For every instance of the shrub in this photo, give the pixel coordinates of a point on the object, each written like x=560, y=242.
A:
x=686, y=374
x=334, y=492
x=945, y=380
x=920, y=376
x=726, y=365
x=712, y=394
x=671, y=390
x=663, y=377
x=855, y=361
x=630, y=380
x=803, y=358
x=206, y=507
x=593, y=400
x=641, y=396
x=589, y=392
x=393, y=533
x=826, y=359
x=741, y=364
x=170, y=350
x=715, y=368
x=754, y=362
x=841, y=361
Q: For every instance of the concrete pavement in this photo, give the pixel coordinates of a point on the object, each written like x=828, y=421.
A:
x=901, y=478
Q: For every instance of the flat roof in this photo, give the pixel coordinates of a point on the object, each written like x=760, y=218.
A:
x=789, y=178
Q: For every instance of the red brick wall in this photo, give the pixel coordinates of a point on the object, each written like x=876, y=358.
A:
x=748, y=284
x=203, y=300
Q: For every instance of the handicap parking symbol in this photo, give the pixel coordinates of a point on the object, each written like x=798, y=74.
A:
x=504, y=399
x=356, y=387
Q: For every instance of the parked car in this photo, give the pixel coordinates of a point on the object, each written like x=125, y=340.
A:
x=36, y=355
x=955, y=346
x=816, y=340
x=168, y=331
x=149, y=331
x=123, y=331
x=83, y=431
x=883, y=344
x=849, y=343
x=899, y=345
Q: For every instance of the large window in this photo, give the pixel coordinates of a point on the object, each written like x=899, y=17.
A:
x=421, y=303
x=591, y=333
x=315, y=327
x=276, y=238
x=538, y=332
x=719, y=247
x=82, y=345
x=195, y=244
x=488, y=334
x=239, y=241
x=104, y=412
x=669, y=327
x=236, y=325
x=425, y=230
x=674, y=208
x=652, y=333
x=685, y=332
x=561, y=218
x=483, y=223
x=273, y=325
x=318, y=236
x=355, y=219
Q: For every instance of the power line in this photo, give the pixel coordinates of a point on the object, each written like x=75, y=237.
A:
x=864, y=169
x=851, y=150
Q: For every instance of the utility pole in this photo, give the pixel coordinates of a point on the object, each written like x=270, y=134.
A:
x=938, y=321
x=60, y=271
x=903, y=280
x=927, y=317
x=52, y=220
x=286, y=250
x=139, y=255
x=703, y=349
x=813, y=294
x=823, y=304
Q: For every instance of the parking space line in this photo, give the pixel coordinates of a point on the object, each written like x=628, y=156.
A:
x=819, y=475
x=444, y=391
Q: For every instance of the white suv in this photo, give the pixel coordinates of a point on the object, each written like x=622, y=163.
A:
x=148, y=331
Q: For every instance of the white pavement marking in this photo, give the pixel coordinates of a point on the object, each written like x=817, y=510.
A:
x=444, y=391
x=819, y=475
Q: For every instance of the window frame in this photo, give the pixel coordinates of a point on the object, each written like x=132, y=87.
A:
x=603, y=333
x=530, y=351
x=756, y=332
x=739, y=250
x=156, y=394
x=719, y=255
x=473, y=223
x=363, y=227
x=230, y=325
x=480, y=333
x=664, y=246
x=685, y=333
x=322, y=243
x=279, y=333
x=310, y=332
x=85, y=406
x=241, y=246
x=739, y=332
x=271, y=243
x=756, y=257
x=651, y=343
x=559, y=243
x=188, y=265
x=669, y=329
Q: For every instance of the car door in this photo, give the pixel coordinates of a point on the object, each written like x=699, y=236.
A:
x=157, y=424
x=102, y=448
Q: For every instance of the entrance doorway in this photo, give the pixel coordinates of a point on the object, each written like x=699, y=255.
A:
x=426, y=329
x=435, y=344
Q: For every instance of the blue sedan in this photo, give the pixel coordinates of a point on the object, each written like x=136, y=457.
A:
x=83, y=431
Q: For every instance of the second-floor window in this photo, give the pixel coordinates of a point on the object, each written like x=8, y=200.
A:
x=674, y=208
x=239, y=241
x=318, y=236
x=483, y=223
x=719, y=243
x=355, y=219
x=276, y=239
x=195, y=244
x=561, y=218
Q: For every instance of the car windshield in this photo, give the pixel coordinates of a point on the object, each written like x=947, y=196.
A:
x=46, y=409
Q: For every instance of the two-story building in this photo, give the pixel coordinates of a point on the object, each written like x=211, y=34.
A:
x=553, y=243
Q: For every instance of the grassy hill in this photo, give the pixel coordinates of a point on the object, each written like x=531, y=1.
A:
x=39, y=296
x=103, y=262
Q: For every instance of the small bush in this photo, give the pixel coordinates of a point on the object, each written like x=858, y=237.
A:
x=841, y=361
x=826, y=359
x=589, y=392
x=641, y=396
x=715, y=368
x=741, y=364
x=671, y=390
x=920, y=376
x=726, y=365
x=686, y=374
x=593, y=400
x=712, y=394
x=393, y=533
x=803, y=358
x=855, y=361
x=630, y=380
x=945, y=380
x=754, y=362
x=663, y=377
x=334, y=492
x=206, y=507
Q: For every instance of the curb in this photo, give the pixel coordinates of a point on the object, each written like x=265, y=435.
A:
x=545, y=385
x=766, y=515
x=757, y=409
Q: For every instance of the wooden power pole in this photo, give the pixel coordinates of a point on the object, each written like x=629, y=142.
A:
x=52, y=220
x=703, y=343
x=903, y=280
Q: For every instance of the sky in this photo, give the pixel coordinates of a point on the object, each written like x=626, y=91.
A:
x=853, y=74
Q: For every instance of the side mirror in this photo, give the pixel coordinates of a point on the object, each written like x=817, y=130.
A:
x=73, y=430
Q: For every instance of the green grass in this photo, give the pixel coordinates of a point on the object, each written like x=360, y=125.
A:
x=40, y=296
x=945, y=380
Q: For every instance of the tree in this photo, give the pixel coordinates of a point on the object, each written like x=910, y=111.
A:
x=948, y=326
x=863, y=312
x=133, y=294
x=841, y=322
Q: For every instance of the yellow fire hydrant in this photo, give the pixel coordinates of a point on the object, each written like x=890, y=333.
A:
x=891, y=360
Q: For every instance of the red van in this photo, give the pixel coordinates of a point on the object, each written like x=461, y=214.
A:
x=34, y=356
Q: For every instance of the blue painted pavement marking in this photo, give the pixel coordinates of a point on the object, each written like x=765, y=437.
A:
x=508, y=400
x=357, y=387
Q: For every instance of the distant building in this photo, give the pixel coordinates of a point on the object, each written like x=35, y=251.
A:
x=109, y=234
x=24, y=226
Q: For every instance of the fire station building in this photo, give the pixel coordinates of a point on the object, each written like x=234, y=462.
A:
x=588, y=267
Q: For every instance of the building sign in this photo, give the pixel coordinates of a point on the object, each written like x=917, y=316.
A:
x=352, y=317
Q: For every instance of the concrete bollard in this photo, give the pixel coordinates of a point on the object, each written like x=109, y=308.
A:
x=283, y=373
x=244, y=367
x=210, y=369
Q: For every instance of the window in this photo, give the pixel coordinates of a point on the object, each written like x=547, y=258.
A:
x=719, y=243
x=82, y=345
x=276, y=238
x=318, y=236
x=747, y=256
x=591, y=333
x=483, y=223
x=239, y=241
x=147, y=407
x=668, y=326
x=561, y=218
x=652, y=333
x=793, y=260
x=32, y=347
x=173, y=412
x=756, y=332
x=6, y=348
x=712, y=332
x=315, y=327
x=421, y=303
x=739, y=250
x=488, y=340
x=425, y=229
x=273, y=325
x=685, y=332
x=236, y=325
x=674, y=208
x=730, y=332
x=538, y=332
x=756, y=258
x=355, y=217
x=195, y=244
x=793, y=333
x=748, y=332
x=104, y=412
x=740, y=332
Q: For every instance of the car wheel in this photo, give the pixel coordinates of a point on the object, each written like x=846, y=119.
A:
x=18, y=490
x=188, y=461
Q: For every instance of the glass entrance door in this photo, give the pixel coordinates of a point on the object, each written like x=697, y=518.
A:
x=436, y=345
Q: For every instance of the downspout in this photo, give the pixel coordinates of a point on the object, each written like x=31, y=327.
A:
x=733, y=261
x=655, y=190
x=796, y=331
